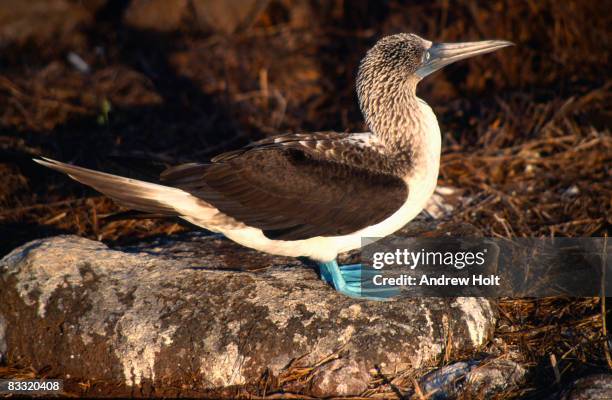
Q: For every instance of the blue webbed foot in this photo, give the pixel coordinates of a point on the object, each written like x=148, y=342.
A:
x=349, y=280
x=351, y=273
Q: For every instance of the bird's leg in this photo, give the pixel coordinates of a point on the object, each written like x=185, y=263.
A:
x=347, y=279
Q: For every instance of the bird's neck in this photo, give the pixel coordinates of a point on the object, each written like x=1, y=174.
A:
x=404, y=124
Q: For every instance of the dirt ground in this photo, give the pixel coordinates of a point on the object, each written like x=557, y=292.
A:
x=525, y=130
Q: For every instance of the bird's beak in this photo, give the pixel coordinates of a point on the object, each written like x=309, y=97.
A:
x=441, y=54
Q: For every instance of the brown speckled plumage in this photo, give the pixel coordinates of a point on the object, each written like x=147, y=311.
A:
x=298, y=186
x=386, y=87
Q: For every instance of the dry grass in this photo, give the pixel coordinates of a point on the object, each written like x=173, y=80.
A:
x=526, y=134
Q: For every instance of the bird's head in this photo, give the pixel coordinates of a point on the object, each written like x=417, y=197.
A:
x=390, y=71
x=399, y=62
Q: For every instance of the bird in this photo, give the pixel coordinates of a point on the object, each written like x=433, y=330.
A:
x=315, y=195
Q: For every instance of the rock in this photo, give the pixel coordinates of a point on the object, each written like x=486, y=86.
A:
x=444, y=200
x=221, y=16
x=196, y=315
x=44, y=22
x=157, y=15
x=227, y=16
x=472, y=379
x=446, y=382
x=492, y=377
x=3, y=345
x=598, y=386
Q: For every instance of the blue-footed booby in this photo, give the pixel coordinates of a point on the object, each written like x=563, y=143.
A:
x=316, y=194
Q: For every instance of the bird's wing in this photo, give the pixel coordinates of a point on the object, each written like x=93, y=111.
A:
x=295, y=187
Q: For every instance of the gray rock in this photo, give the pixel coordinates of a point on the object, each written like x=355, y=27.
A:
x=472, y=379
x=495, y=376
x=593, y=387
x=195, y=315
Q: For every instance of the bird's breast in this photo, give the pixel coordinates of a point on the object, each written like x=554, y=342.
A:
x=421, y=179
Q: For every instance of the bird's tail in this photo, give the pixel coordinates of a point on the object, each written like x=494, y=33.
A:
x=130, y=193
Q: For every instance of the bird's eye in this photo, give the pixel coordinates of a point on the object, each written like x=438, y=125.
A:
x=426, y=56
